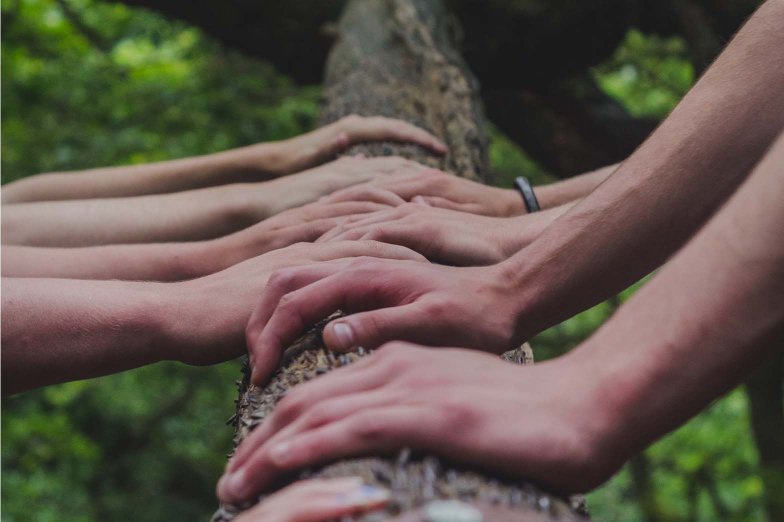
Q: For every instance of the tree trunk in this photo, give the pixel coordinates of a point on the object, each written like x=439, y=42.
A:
x=397, y=58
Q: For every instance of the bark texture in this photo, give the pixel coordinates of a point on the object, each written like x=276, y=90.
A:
x=397, y=58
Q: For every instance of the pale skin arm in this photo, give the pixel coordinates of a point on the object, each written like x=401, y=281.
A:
x=442, y=190
x=57, y=330
x=183, y=216
x=632, y=223
x=182, y=260
x=696, y=330
x=246, y=164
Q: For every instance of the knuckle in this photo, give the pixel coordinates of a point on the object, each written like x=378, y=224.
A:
x=370, y=426
x=280, y=279
x=291, y=405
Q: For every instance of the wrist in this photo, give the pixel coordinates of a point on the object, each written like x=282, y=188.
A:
x=200, y=324
x=511, y=203
x=603, y=445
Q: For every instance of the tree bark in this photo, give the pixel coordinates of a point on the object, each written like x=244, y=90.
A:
x=398, y=58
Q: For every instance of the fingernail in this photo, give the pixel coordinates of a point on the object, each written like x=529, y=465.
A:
x=232, y=485
x=364, y=496
x=344, y=335
x=279, y=453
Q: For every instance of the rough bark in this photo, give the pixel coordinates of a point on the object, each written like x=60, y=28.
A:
x=398, y=58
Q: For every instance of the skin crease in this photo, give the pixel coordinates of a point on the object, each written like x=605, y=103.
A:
x=246, y=164
x=57, y=330
x=317, y=500
x=571, y=422
x=181, y=261
x=650, y=206
x=191, y=215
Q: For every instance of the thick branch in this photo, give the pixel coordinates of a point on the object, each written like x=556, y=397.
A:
x=397, y=58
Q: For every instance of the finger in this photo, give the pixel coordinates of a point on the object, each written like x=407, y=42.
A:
x=347, y=208
x=263, y=362
x=317, y=500
x=300, y=308
x=361, y=376
x=440, y=202
x=371, y=329
x=340, y=233
x=335, y=250
x=379, y=128
x=365, y=192
x=363, y=432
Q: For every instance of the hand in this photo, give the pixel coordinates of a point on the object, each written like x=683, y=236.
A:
x=540, y=423
x=296, y=225
x=444, y=236
x=326, y=142
x=208, y=315
x=396, y=300
x=439, y=189
x=317, y=500
x=305, y=187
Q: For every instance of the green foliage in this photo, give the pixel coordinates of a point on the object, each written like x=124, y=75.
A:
x=648, y=74
x=86, y=84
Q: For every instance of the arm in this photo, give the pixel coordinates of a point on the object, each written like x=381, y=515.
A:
x=442, y=190
x=179, y=261
x=572, y=189
x=646, y=210
x=246, y=164
x=691, y=334
x=183, y=216
x=666, y=190
x=57, y=330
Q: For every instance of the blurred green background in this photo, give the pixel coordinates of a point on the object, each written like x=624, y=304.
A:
x=87, y=83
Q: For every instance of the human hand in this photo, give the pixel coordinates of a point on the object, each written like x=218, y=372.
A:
x=308, y=186
x=317, y=500
x=396, y=300
x=439, y=189
x=322, y=144
x=207, y=317
x=444, y=236
x=296, y=225
x=541, y=423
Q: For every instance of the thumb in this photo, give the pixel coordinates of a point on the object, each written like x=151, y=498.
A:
x=372, y=329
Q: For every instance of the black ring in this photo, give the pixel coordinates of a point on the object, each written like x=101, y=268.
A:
x=527, y=191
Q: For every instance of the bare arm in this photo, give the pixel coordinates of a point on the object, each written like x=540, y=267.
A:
x=667, y=189
x=180, y=260
x=246, y=164
x=57, y=330
x=182, y=216
x=690, y=335
x=644, y=212
x=572, y=189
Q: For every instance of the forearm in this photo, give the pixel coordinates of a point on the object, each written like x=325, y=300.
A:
x=521, y=231
x=572, y=189
x=700, y=326
x=138, y=262
x=56, y=330
x=666, y=190
x=183, y=216
x=252, y=163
